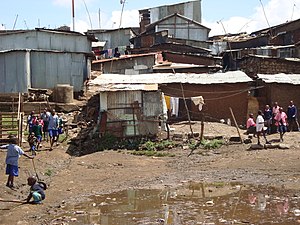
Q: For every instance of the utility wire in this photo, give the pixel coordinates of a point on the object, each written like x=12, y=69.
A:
x=87, y=11
x=263, y=8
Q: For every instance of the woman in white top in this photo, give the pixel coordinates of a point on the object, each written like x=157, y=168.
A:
x=260, y=126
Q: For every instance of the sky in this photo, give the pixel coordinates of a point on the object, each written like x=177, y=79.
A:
x=222, y=16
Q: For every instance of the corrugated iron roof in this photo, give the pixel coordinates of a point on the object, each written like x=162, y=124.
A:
x=163, y=78
x=280, y=78
x=123, y=57
x=167, y=66
x=124, y=87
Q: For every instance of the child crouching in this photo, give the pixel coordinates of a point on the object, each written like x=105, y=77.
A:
x=36, y=191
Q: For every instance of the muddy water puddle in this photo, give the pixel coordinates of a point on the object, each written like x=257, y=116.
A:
x=190, y=203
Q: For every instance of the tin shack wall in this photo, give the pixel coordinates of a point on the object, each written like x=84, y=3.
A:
x=191, y=9
x=13, y=72
x=45, y=40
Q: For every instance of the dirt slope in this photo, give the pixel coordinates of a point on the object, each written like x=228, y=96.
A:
x=70, y=179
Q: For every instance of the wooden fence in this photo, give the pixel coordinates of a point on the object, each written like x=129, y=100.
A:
x=11, y=120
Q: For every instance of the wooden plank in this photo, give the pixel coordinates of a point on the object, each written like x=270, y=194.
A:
x=8, y=113
x=10, y=129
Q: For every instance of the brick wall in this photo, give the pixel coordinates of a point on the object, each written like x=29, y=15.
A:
x=255, y=65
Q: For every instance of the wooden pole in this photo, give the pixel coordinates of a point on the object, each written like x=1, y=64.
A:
x=18, y=121
x=235, y=123
x=14, y=200
x=202, y=127
x=187, y=109
x=133, y=115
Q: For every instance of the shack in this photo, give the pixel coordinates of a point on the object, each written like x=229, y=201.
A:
x=129, y=110
x=220, y=91
x=281, y=88
x=43, y=58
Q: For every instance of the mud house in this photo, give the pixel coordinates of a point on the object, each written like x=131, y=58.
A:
x=128, y=110
x=43, y=58
x=281, y=88
x=219, y=90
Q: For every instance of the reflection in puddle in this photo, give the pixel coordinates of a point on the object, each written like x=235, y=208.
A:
x=191, y=203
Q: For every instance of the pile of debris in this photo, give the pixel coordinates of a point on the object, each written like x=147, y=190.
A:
x=37, y=95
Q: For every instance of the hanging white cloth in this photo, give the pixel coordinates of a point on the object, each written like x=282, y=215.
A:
x=174, y=102
x=198, y=100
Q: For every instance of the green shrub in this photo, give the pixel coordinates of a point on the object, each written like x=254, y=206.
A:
x=211, y=144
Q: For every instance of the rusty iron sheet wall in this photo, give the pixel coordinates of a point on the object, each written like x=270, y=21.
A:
x=218, y=99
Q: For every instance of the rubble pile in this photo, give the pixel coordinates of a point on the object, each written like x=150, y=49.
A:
x=85, y=135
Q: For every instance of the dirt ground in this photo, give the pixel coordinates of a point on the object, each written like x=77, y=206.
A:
x=71, y=179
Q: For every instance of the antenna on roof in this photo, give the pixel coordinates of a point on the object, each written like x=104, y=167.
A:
x=73, y=15
x=15, y=21
x=123, y=3
x=228, y=41
x=99, y=18
x=294, y=6
x=26, y=24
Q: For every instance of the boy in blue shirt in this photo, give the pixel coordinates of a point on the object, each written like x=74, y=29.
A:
x=13, y=154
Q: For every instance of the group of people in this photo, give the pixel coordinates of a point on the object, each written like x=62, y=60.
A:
x=273, y=120
x=47, y=125
x=40, y=126
x=14, y=152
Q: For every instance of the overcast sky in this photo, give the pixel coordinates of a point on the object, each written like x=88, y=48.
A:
x=235, y=15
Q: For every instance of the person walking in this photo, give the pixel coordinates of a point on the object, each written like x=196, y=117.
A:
x=45, y=117
x=281, y=122
x=13, y=154
x=53, y=128
x=268, y=118
x=260, y=125
x=292, y=117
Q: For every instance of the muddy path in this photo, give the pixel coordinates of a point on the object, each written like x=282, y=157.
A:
x=73, y=179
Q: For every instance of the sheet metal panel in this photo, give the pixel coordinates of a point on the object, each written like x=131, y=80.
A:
x=152, y=106
x=13, y=72
x=49, y=69
x=183, y=29
x=191, y=9
x=45, y=40
x=123, y=99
